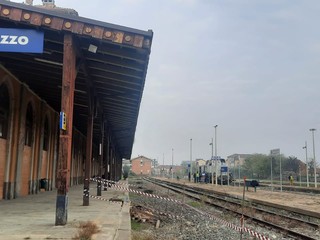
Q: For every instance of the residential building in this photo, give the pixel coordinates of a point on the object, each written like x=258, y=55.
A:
x=141, y=165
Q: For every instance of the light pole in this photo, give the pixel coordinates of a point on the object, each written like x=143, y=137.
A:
x=305, y=147
x=234, y=170
x=239, y=166
x=299, y=175
x=162, y=164
x=172, y=166
x=215, y=152
x=190, y=159
x=211, y=160
x=271, y=175
x=273, y=154
x=280, y=173
x=314, y=158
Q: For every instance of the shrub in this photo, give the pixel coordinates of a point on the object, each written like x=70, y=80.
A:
x=86, y=231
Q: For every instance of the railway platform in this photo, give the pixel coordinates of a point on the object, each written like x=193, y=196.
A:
x=33, y=216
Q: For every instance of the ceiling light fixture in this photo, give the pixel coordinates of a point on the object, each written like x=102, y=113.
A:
x=92, y=48
x=48, y=61
x=76, y=90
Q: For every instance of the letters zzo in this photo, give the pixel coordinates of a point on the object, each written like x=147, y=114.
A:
x=7, y=39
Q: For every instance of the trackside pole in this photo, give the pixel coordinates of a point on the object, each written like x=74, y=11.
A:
x=242, y=207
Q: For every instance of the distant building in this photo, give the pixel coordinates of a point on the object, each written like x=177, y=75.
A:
x=185, y=164
x=201, y=162
x=179, y=170
x=50, y=5
x=237, y=159
x=165, y=170
x=141, y=165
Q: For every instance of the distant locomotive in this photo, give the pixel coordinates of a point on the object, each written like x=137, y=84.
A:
x=205, y=172
x=225, y=179
x=206, y=177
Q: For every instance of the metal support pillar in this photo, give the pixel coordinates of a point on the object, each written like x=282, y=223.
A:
x=65, y=143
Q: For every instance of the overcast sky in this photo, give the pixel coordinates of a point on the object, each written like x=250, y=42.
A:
x=250, y=66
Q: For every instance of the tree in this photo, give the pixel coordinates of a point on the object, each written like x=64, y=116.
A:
x=257, y=165
x=126, y=170
x=311, y=167
x=291, y=164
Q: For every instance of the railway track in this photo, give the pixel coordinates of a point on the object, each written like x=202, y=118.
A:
x=296, y=224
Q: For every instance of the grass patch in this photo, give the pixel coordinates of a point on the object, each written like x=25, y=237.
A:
x=86, y=231
x=195, y=204
x=203, y=200
x=136, y=226
x=141, y=236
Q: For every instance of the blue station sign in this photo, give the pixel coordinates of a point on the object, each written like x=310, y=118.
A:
x=21, y=40
x=224, y=169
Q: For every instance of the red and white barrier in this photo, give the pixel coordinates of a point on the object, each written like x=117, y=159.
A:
x=212, y=217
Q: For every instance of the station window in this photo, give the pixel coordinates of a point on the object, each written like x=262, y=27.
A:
x=4, y=111
x=29, y=126
x=46, y=135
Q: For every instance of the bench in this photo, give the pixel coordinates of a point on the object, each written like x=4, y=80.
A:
x=252, y=183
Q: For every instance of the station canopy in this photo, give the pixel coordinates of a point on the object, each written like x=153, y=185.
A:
x=112, y=59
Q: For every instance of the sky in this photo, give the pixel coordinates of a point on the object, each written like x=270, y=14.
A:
x=252, y=67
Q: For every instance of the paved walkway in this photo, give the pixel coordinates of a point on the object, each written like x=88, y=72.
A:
x=33, y=217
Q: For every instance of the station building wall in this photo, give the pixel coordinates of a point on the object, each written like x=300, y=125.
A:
x=29, y=140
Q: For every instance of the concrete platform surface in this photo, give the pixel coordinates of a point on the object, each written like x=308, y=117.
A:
x=33, y=217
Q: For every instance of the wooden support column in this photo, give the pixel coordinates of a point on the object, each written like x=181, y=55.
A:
x=65, y=143
x=110, y=160
x=87, y=172
x=120, y=169
x=112, y=165
x=115, y=170
x=107, y=163
x=99, y=185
